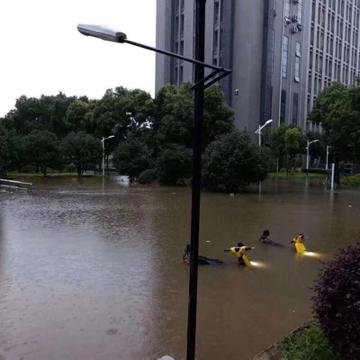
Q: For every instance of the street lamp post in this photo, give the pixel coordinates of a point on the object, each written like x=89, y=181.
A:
x=103, y=152
x=308, y=143
x=327, y=157
x=258, y=131
x=201, y=83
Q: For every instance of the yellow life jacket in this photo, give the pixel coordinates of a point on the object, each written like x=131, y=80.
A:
x=299, y=245
x=238, y=251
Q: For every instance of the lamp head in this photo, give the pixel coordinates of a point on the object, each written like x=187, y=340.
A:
x=269, y=122
x=102, y=32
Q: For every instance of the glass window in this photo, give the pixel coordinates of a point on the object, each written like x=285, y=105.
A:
x=295, y=108
x=285, y=53
x=182, y=20
x=287, y=8
x=216, y=13
x=299, y=11
x=283, y=106
x=181, y=74
x=297, y=69
x=298, y=49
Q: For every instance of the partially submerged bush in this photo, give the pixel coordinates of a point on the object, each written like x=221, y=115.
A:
x=148, y=176
x=337, y=302
x=306, y=344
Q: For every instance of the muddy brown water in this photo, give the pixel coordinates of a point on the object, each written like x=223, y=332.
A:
x=94, y=271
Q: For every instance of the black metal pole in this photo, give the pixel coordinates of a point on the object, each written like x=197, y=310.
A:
x=196, y=179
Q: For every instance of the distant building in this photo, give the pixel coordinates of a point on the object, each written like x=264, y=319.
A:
x=283, y=53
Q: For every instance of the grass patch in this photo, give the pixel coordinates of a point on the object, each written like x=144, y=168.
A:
x=296, y=175
x=17, y=176
x=306, y=344
x=351, y=180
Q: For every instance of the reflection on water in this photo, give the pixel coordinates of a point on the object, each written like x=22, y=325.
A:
x=259, y=264
x=95, y=272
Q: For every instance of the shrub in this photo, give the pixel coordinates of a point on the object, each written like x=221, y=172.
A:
x=174, y=165
x=337, y=302
x=232, y=162
x=147, y=176
x=306, y=344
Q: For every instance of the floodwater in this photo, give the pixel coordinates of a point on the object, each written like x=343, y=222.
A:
x=94, y=271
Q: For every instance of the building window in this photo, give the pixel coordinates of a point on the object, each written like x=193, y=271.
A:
x=297, y=69
x=285, y=54
x=287, y=8
x=216, y=13
x=295, y=108
x=176, y=75
x=283, y=106
x=299, y=12
x=182, y=20
x=216, y=43
x=181, y=75
x=298, y=49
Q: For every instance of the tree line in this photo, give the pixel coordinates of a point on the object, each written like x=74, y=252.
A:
x=153, y=136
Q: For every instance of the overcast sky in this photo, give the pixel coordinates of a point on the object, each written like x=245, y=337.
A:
x=43, y=53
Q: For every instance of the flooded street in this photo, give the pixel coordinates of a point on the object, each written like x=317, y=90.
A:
x=95, y=272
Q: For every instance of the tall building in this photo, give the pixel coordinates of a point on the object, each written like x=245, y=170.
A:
x=283, y=53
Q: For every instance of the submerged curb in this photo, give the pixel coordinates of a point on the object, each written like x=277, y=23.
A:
x=272, y=352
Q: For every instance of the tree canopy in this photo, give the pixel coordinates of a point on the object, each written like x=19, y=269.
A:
x=337, y=109
x=152, y=136
x=234, y=161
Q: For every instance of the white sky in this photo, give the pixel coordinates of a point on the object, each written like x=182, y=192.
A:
x=41, y=51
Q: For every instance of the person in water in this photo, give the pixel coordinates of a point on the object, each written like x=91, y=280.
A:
x=265, y=239
x=299, y=243
x=300, y=239
x=202, y=260
x=240, y=252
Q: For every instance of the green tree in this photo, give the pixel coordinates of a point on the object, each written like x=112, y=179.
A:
x=173, y=121
x=337, y=109
x=78, y=116
x=44, y=114
x=82, y=150
x=295, y=144
x=42, y=149
x=16, y=149
x=173, y=115
x=233, y=161
x=3, y=150
x=174, y=164
x=218, y=117
x=131, y=158
x=277, y=145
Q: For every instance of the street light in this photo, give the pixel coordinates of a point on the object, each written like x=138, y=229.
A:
x=103, y=152
x=308, y=143
x=258, y=131
x=327, y=157
x=201, y=83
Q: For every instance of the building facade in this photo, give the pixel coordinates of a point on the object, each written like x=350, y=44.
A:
x=283, y=53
